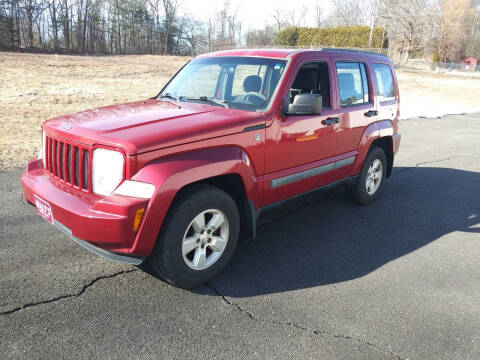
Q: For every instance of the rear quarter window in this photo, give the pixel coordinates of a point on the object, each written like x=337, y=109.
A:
x=383, y=74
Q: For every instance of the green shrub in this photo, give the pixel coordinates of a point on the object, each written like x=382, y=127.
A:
x=287, y=37
x=345, y=36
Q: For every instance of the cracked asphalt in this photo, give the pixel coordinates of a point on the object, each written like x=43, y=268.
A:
x=325, y=279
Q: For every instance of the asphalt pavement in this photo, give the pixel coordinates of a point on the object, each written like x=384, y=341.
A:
x=324, y=279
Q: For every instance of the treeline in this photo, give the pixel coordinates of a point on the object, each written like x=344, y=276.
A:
x=448, y=29
x=112, y=27
x=342, y=36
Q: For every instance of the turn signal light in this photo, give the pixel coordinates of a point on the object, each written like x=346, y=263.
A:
x=138, y=218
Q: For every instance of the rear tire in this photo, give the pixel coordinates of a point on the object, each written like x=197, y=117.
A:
x=369, y=183
x=198, y=237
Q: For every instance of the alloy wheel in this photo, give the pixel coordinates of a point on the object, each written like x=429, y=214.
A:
x=205, y=239
x=374, y=176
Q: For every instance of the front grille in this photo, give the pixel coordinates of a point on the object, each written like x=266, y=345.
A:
x=69, y=162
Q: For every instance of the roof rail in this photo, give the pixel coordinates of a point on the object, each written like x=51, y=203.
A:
x=294, y=51
x=354, y=50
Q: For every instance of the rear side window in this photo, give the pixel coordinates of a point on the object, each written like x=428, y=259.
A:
x=384, y=78
x=352, y=83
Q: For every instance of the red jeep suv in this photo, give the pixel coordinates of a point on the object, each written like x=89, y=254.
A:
x=173, y=179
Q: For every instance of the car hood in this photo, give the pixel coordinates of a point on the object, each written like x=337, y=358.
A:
x=150, y=125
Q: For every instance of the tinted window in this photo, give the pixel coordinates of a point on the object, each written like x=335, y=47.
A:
x=353, y=83
x=384, y=81
x=312, y=78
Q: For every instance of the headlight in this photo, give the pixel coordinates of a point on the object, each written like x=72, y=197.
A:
x=42, y=150
x=107, y=171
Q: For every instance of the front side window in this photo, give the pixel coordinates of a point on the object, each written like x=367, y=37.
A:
x=312, y=78
x=244, y=83
x=352, y=83
x=384, y=77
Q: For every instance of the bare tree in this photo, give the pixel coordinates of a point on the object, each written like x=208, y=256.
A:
x=170, y=8
x=302, y=15
x=223, y=29
x=65, y=13
x=350, y=12
x=318, y=14
x=292, y=17
x=52, y=7
x=372, y=8
x=155, y=9
x=455, y=19
x=278, y=17
x=410, y=18
x=261, y=37
x=296, y=17
x=450, y=28
x=192, y=33
x=32, y=9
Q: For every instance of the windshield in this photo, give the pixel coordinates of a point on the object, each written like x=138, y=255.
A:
x=244, y=83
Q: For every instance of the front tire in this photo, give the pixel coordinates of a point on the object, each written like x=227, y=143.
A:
x=369, y=183
x=198, y=237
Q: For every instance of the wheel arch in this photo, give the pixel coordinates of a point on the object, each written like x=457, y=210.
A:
x=233, y=185
x=386, y=144
x=376, y=134
x=228, y=168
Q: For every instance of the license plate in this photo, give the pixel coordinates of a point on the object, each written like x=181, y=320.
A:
x=44, y=209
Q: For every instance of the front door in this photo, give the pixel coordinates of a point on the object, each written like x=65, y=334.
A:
x=299, y=150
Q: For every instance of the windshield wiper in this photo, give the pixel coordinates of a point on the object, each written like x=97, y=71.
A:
x=168, y=96
x=222, y=103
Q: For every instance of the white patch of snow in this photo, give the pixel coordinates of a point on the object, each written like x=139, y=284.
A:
x=432, y=107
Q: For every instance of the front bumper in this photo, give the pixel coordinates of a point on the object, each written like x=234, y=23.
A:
x=103, y=225
x=99, y=251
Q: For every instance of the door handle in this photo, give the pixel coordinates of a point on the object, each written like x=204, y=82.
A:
x=371, y=113
x=330, y=121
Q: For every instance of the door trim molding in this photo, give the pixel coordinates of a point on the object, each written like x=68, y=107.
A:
x=302, y=175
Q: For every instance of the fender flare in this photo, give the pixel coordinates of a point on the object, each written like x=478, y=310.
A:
x=374, y=131
x=171, y=174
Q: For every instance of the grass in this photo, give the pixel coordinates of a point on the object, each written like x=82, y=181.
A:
x=38, y=87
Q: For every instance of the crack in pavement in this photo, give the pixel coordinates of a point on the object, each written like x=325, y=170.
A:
x=297, y=326
x=423, y=163
x=67, y=296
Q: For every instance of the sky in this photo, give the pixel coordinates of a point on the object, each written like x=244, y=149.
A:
x=253, y=14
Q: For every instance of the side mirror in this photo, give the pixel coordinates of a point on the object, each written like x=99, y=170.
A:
x=305, y=104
